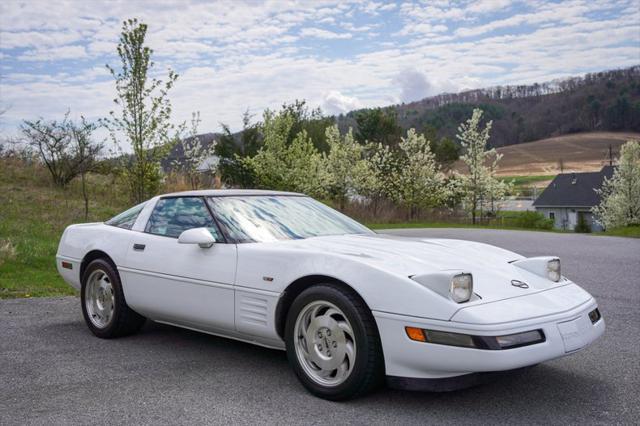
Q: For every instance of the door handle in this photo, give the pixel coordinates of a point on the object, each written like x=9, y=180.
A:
x=139, y=247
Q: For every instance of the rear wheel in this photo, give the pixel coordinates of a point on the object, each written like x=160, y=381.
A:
x=103, y=305
x=333, y=343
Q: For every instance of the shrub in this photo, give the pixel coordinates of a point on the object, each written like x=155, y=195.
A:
x=7, y=251
x=582, y=225
x=533, y=220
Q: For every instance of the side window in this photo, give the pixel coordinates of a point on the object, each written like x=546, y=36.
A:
x=171, y=216
x=126, y=219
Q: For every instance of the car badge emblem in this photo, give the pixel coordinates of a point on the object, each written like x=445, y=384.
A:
x=519, y=284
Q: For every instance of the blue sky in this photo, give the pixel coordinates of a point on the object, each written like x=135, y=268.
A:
x=338, y=55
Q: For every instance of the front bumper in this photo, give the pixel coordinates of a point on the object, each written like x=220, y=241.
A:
x=565, y=333
x=69, y=270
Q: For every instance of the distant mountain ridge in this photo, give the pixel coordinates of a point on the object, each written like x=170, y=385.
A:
x=602, y=101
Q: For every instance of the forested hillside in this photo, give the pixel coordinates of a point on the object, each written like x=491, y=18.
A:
x=604, y=101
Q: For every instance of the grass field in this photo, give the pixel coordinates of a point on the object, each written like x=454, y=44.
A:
x=33, y=215
x=532, y=180
x=579, y=152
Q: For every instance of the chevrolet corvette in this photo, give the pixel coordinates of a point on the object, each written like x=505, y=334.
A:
x=352, y=308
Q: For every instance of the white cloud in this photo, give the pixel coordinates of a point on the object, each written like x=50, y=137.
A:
x=323, y=34
x=335, y=102
x=414, y=85
x=486, y=6
x=10, y=40
x=55, y=53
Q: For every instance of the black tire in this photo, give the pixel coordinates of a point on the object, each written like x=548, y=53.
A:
x=368, y=369
x=124, y=320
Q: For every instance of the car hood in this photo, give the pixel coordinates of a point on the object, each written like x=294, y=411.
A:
x=491, y=266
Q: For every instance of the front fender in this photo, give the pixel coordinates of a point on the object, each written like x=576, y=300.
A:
x=271, y=268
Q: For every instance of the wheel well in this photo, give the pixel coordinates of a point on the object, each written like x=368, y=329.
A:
x=294, y=289
x=91, y=256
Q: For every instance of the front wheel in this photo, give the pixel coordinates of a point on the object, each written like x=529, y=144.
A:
x=103, y=305
x=333, y=344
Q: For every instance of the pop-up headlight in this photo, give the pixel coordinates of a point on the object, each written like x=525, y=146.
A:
x=461, y=287
x=544, y=266
x=553, y=270
x=456, y=285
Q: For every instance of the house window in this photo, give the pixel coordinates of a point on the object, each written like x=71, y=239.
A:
x=552, y=215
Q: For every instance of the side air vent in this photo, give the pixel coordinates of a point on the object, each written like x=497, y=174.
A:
x=253, y=310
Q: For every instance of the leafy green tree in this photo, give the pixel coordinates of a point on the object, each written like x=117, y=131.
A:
x=232, y=149
x=310, y=120
x=144, y=119
x=620, y=195
x=447, y=152
x=378, y=125
x=344, y=164
x=295, y=166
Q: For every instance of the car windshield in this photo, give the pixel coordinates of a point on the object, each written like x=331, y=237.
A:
x=279, y=217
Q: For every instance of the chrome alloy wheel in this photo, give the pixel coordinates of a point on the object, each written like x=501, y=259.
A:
x=325, y=343
x=99, y=298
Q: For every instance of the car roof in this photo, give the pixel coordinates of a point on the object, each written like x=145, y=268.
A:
x=228, y=193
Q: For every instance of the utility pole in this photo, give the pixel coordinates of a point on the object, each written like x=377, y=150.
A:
x=610, y=156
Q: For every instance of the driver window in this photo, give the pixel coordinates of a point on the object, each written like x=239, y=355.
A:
x=172, y=216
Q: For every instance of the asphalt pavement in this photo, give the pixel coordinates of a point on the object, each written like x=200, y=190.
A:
x=53, y=371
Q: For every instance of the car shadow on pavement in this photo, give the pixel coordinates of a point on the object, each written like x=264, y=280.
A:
x=535, y=390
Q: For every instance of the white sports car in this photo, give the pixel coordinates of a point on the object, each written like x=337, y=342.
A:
x=349, y=306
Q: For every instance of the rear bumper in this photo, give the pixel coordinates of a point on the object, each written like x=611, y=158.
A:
x=566, y=332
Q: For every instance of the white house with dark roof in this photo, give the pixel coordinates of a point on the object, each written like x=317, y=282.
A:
x=570, y=196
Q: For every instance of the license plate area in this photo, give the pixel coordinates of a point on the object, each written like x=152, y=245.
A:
x=574, y=333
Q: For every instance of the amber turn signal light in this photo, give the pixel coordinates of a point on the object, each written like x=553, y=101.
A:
x=415, y=334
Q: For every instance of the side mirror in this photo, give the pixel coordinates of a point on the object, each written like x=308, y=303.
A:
x=199, y=236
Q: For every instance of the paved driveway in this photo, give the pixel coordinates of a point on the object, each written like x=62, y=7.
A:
x=52, y=370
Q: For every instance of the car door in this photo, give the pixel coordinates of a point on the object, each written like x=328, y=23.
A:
x=182, y=284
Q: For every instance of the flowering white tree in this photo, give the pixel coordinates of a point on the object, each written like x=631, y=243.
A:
x=480, y=183
x=196, y=158
x=620, y=204
x=344, y=164
x=497, y=189
x=421, y=183
x=378, y=180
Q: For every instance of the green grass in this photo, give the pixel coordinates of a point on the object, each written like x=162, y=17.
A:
x=526, y=180
x=629, y=231
x=33, y=215
x=410, y=225
x=632, y=231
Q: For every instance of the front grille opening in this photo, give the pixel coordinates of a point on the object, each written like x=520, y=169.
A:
x=595, y=316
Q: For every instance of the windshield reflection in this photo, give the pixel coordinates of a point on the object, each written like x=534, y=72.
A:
x=280, y=217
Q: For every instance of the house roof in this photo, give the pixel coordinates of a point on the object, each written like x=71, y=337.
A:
x=574, y=189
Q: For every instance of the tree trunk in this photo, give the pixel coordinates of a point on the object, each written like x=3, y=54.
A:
x=474, y=204
x=86, y=197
